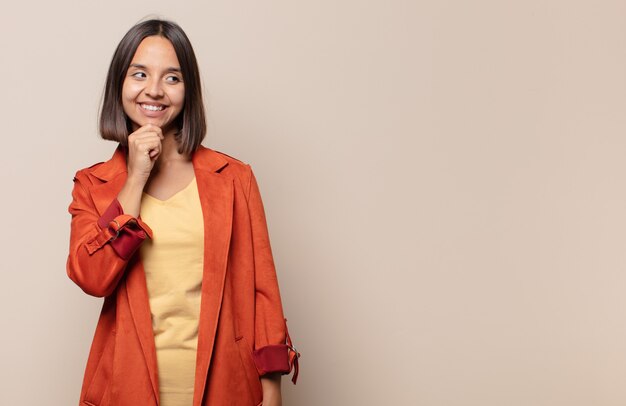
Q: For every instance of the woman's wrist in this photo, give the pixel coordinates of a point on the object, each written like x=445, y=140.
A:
x=271, y=389
x=129, y=196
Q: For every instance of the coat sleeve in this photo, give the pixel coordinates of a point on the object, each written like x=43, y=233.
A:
x=100, y=246
x=273, y=350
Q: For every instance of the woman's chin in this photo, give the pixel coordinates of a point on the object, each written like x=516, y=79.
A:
x=163, y=125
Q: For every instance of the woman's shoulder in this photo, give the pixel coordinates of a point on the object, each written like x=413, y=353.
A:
x=226, y=162
x=82, y=174
x=105, y=170
x=231, y=159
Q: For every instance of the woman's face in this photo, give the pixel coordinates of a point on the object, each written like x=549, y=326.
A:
x=153, y=91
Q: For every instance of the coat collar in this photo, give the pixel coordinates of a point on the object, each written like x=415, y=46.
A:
x=203, y=158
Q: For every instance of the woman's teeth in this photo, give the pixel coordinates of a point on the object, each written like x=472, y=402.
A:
x=152, y=108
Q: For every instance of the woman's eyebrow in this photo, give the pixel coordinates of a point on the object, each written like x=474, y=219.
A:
x=140, y=66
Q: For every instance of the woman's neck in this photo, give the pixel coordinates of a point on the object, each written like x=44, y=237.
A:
x=169, y=152
x=169, y=148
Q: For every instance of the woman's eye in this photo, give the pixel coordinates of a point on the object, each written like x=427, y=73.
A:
x=139, y=75
x=172, y=79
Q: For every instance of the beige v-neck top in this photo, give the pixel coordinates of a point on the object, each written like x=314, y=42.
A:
x=173, y=262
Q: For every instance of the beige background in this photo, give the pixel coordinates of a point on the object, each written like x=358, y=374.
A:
x=444, y=185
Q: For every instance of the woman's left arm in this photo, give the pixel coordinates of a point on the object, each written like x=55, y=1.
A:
x=273, y=353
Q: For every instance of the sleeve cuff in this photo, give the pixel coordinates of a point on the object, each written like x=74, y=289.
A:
x=279, y=358
x=124, y=232
x=272, y=358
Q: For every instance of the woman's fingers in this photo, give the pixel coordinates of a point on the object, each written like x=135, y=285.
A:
x=146, y=131
x=144, y=147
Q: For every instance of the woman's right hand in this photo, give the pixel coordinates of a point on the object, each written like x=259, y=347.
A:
x=144, y=148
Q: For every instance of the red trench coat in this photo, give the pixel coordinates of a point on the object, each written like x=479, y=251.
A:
x=242, y=332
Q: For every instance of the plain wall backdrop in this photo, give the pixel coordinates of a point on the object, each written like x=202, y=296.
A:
x=444, y=183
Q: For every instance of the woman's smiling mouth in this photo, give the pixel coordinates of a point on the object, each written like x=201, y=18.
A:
x=152, y=107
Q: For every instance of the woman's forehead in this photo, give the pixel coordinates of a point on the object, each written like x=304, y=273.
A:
x=156, y=51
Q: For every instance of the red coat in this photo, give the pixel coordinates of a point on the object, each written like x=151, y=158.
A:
x=242, y=332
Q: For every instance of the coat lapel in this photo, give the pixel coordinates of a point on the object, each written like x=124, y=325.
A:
x=216, y=198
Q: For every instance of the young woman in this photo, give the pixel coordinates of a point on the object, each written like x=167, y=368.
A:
x=173, y=235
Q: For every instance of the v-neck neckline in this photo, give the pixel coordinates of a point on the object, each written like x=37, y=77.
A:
x=193, y=180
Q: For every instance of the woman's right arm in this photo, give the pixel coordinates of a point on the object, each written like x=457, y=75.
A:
x=100, y=246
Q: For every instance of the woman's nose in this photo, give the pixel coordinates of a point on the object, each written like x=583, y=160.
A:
x=153, y=88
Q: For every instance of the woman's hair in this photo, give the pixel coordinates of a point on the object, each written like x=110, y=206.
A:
x=115, y=124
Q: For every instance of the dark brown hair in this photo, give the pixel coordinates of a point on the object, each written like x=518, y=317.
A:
x=115, y=124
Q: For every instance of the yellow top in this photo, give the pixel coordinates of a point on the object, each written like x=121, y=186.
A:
x=173, y=262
